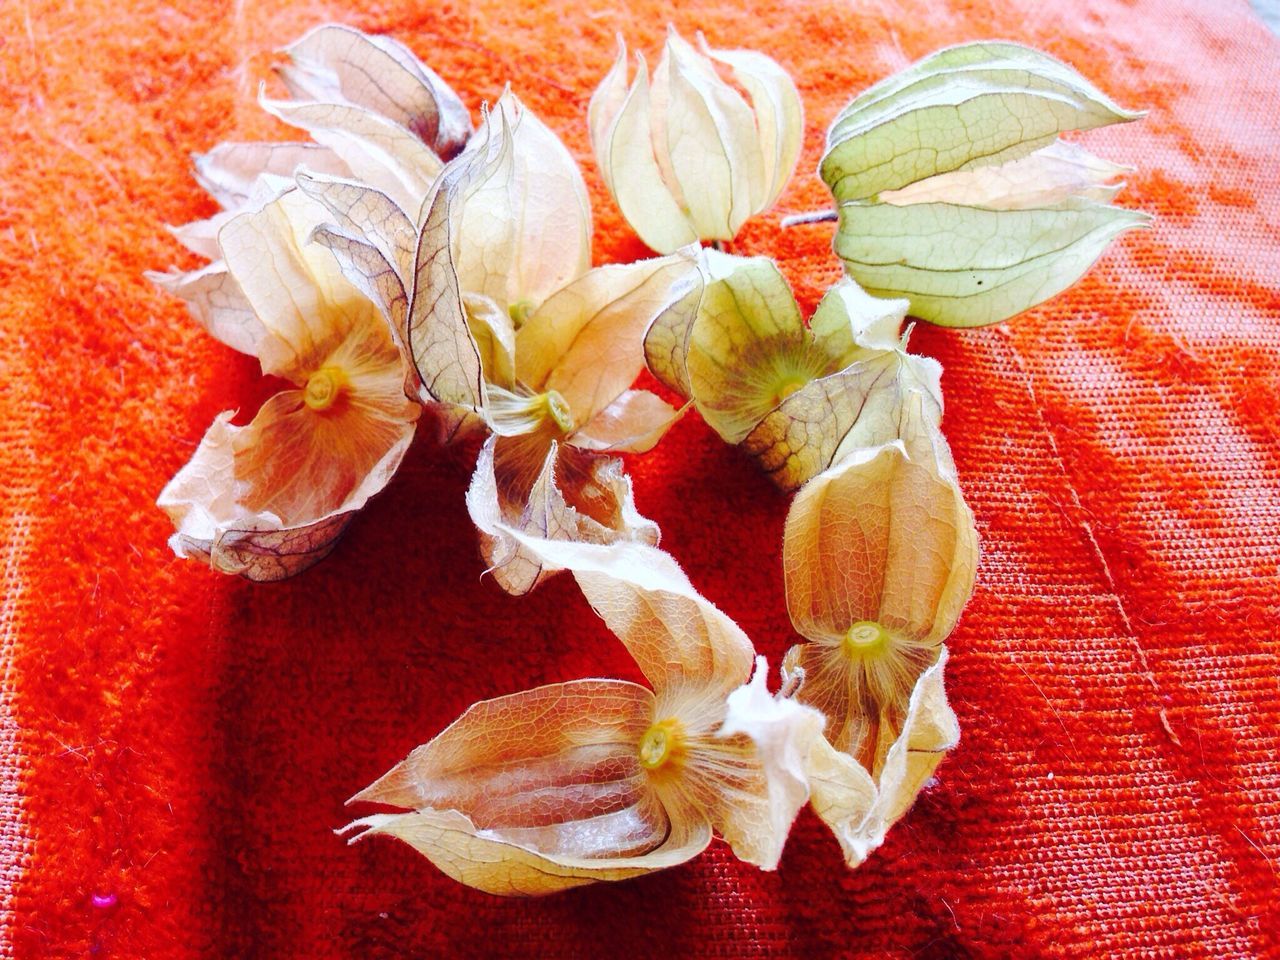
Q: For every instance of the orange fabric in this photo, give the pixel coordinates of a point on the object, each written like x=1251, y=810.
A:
x=178, y=744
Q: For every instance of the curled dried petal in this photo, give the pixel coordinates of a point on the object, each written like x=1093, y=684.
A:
x=336, y=64
x=633, y=423
x=230, y=171
x=860, y=808
x=268, y=499
x=564, y=495
x=585, y=341
x=784, y=733
x=376, y=150
x=218, y=304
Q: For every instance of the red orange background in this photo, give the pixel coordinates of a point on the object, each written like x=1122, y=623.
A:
x=183, y=742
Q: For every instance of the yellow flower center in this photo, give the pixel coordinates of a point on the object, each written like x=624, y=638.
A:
x=519, y=312
x=323, y=388
x=787, y=387
x=558, y=411
x=660, y=743
x=865, y=638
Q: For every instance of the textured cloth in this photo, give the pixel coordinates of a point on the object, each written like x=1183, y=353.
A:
x=176, y=746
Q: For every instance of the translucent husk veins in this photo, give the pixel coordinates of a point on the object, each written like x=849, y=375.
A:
x=402, y=261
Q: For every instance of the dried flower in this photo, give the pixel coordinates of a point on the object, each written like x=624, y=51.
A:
x=507, y=327
x=796, y=397
x=879, y=553
x=602, y=779
x=269, y=499
x=955, y=192
x=689, y=160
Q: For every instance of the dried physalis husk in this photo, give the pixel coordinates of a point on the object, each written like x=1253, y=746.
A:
x=689, y=159
x=880, y=553
x=796, y=397
x=601, y=779
x=860, y=807
x=372, y=104
x=268, y=499
x=955, y=193
x=505, y=326
x=504, y=323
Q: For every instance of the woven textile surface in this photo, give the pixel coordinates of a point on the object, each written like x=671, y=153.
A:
x=178, y=745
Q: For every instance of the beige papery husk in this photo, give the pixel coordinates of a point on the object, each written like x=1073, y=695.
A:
x=688, y=157
x=601, y=779
x=509, y=330
x=797, y=397
x=880, y=553
x=880, y=548
x=268, y=499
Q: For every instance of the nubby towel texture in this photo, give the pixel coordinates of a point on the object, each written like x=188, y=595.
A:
x=176, y=746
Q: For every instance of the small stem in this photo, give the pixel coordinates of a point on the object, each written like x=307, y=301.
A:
x=792, y=684
x=718, y=245
x=817, y=216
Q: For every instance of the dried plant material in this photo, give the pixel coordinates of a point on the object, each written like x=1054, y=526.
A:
x=231, y=172
x=373, y=105
x=504, y=322
x=268, y=499
x=688, y=159
x=576, y=357
x=525, y=227
x=1053, y=174
x=572, y=495
x=797, y=398
x=879, y=554
x=955, y=192
x=859, y=806
x=604, y=780
x=509, y=222
x=337, y=64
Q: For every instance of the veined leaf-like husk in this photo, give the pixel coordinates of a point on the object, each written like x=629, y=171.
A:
x=337, y=64
x=883, y=537
x=798, y=398
x=538, y=792
x=955, y=193
x=268, y=499
x=567, y=495
x=687, y=158
x=967, y=266
x=544, y=790
x=969, y=106
x=586, y=340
